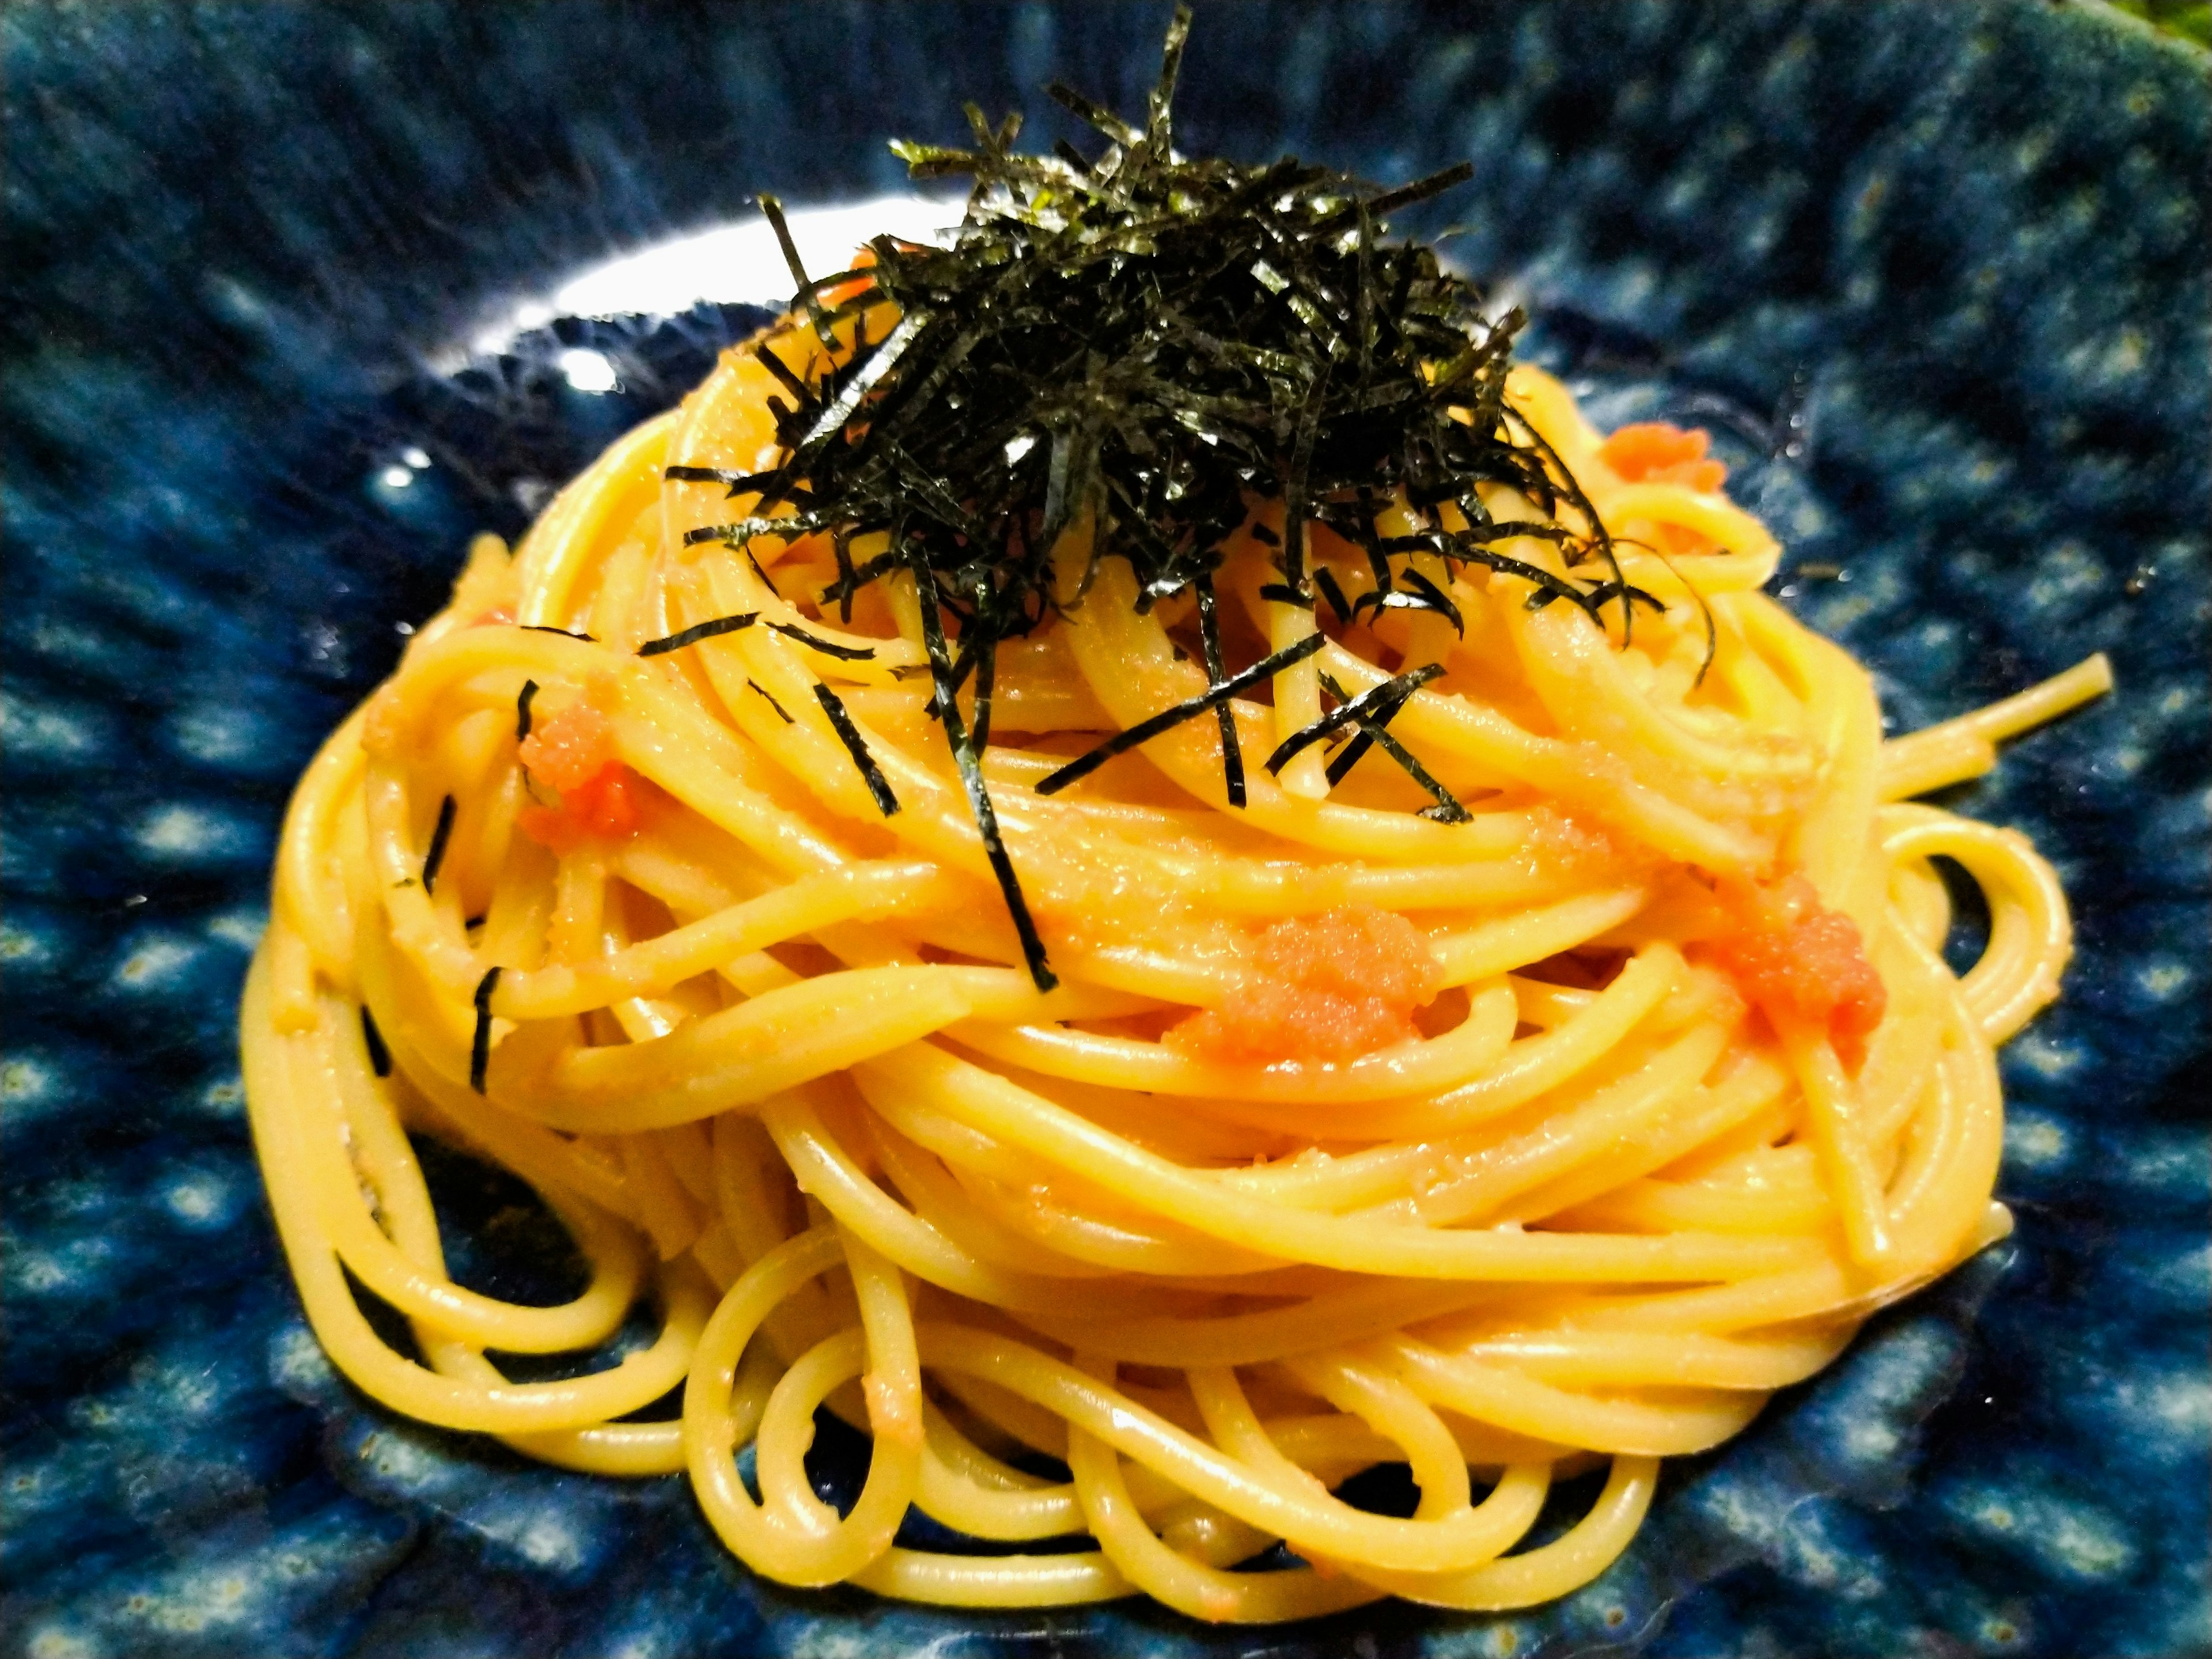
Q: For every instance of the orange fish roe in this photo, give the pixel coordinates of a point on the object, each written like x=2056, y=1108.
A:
x=1790, y=956
x=1324, y=989
x=572, y=752
x=1653, y=452
x=498, y=617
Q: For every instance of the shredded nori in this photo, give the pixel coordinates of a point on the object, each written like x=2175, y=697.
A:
x=1214, y=696
x=1447, y=809
x=1350, y=710
x=1209, y=636
x=736, y=480
x=1704, y=610
x=945, y=688
x=568, y=633
x=522, y=710
x=1333, y=591
x=842, y=653
x=480, y=1044
x=1342, y=762
x=1420, y=591
x=757, y=686
x=870, y=774
x=1149, y=347
x=696, y=632
x=767, y=581
x=380, y=1056
x=439, y=837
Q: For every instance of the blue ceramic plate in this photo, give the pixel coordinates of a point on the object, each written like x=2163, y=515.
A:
x=1935, y=273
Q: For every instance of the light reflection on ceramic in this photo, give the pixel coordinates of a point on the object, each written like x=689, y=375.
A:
x=736, y=263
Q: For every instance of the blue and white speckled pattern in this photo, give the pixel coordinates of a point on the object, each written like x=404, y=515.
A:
x=1936, y=274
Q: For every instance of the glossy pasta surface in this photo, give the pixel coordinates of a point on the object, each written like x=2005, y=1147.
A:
x=701, y=940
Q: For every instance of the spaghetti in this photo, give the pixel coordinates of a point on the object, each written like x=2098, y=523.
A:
x=1536, y=1051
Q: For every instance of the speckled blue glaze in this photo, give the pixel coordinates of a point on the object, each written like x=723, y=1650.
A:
x=1936, y=276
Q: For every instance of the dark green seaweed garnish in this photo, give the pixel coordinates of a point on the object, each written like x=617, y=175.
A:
x=439, y=837
x=870, y=774
x=696, y=632
x=945, y=703
x=1367, y=725
x=736, y=480
x=1422, y=592
x=1150, y=347
x=757, y=686
x=380, y=1056
x=522, y=702
x=1209, y=637
x=761, y=570
x=842, y=653
x=1214, y=696
x=1333, y=591
x=480, y=1044
x=1704, y=610
x=568, y=633
x=1369, y=704
x=1373, y=728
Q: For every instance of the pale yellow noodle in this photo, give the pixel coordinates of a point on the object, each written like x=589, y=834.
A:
x=774, y=1062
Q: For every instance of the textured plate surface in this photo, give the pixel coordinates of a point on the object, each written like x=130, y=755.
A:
x=1934, y=274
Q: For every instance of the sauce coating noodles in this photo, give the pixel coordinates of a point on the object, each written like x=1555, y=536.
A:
x=1582, y=1188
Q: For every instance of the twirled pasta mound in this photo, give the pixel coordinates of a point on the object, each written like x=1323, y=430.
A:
x=1562, y=1134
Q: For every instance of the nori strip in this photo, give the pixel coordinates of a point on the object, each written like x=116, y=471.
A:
x=698, y=631
x=740, y=483
x=568, y=633
x=760, y=570
x=772, y=209
x=1434, y=184
x=1331, y=590
x=522, y=710
x=380, y=1056
x=1145, y=729
x=945, y=694
x=1209, y=638
x=772, y=703
x=480, y=1044
x=1704, y=610
x=1600, y=537
x=1427, y=595
x=738, y=532
x=870, y=774
x=439, y=837
x=985, y=660
x=1447, y=809
x=841, y=547
x=1342, y=762
x=1350, y=710
x=842, y=653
